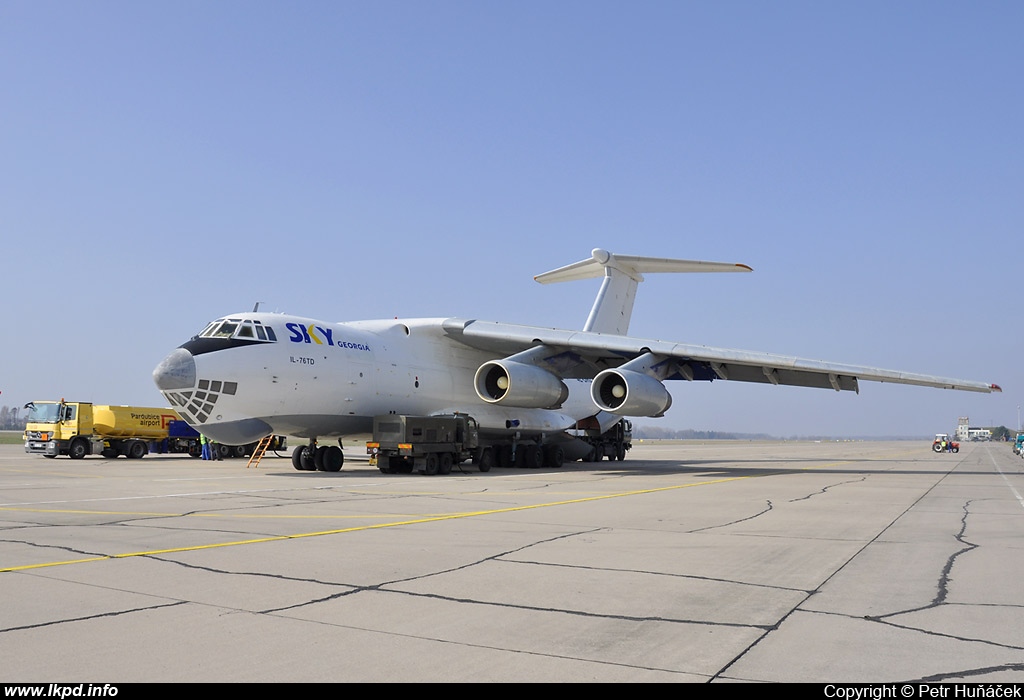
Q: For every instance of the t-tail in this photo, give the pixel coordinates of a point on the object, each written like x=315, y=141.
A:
x=613, y=306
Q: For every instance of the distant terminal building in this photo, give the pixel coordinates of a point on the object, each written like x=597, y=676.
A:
x=965, y=433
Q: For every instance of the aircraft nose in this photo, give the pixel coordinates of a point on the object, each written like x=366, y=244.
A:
x=176, y=371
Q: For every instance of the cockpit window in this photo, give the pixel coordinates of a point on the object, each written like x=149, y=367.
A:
x=226, y=329
x=208, y=330
x=238, y=328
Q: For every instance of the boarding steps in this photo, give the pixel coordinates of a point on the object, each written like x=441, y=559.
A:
x=257, y=454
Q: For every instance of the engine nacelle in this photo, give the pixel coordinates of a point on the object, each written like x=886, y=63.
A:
x=627, y=393
x=522, y=386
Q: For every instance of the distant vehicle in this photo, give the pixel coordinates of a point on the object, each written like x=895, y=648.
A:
x=942, y=440
x=1018, y=445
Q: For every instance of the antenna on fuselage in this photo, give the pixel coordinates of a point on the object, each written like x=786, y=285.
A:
x=256, y=307
x=613, y=306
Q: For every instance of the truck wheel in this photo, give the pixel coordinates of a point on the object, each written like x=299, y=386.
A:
x=136, y=450
x=486, y=459
x=505, y=458
x=620, y=452
x=79, y=449
x=554, y=456
x=430, y=465
x=444, y=465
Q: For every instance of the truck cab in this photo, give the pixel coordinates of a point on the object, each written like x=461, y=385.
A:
x=54, y=427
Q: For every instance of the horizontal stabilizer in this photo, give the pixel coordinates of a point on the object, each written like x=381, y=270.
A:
x=632, y=265
x=613, y=306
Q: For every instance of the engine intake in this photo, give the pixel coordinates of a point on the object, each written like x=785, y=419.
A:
x=522, y=386
x=627, y=393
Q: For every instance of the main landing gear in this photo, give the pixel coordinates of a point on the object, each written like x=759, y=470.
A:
x=323, y=458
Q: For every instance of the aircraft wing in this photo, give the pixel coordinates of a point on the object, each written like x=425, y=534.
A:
x=581, y=354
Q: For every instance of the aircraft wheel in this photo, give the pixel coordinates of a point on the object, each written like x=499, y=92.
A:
x=554, y=456
x=444, y=465
x=238, y=451
x=532, y=457
x=430, y=466
x=332, y=459
x=302, y=460
x=79, y=449
x=318, y=458
x=486, y=459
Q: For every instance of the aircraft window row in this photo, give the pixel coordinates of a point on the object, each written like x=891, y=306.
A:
x=237, y=328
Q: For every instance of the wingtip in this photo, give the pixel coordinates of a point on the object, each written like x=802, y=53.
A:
x=745, y=268
x=996, y=387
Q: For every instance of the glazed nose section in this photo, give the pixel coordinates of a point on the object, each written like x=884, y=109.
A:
x=176, y=371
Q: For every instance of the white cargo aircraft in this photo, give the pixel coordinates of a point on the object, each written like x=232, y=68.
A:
x=249, y=375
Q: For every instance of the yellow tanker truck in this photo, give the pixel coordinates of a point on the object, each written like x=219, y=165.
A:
x=77, y=429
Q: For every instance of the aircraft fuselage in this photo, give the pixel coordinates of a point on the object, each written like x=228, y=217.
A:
x=251, y=374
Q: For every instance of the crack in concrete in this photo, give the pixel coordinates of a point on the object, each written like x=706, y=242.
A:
x=767, y=509
x=942, y=586
x=92, y=617
x=210, y=569
x=583, y=613
x=645, y=572
x=743, y=652
x=826, y=489
x=57, y=547
x=381, y=585
x=971, y=672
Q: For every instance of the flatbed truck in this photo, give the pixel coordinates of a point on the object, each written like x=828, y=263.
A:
x=434, y=444
x=427, y=444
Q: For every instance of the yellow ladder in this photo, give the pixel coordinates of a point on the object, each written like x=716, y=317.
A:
x=261, y=449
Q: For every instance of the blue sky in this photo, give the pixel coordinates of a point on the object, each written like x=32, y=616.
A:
x=166, y=163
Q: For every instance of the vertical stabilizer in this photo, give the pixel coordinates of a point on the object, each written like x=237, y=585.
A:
x=613, y=306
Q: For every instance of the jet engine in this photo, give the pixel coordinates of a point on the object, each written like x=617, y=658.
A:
x=627, y=393
x=519, y=385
